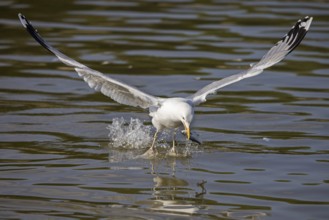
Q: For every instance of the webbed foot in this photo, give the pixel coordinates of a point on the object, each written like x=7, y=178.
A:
x=172, y=152
x=150, y=153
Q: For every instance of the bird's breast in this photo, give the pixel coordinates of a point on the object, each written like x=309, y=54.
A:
x=169, y=114
x=166, y=120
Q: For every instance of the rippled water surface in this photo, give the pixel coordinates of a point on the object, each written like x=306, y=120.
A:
x=67, y=152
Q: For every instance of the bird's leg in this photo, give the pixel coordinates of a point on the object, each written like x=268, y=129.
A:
x=152, y=151
x=174, y=142
x=172, y=151
x=153, y=143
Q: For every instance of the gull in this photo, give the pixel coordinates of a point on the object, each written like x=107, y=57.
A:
x=172, y=113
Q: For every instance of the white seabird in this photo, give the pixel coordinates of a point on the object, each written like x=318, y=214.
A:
x=171, y=113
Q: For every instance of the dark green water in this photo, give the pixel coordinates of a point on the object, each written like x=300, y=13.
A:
x=265, y=140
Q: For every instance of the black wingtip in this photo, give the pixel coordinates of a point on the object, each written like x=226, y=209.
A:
x=297, y=33
x=23, y=20
x=33, y=32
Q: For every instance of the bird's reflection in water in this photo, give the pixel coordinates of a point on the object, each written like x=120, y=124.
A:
x=170, y=193
x=178, y=196
x=173, y=194
x=128, y=142
x=167, y=195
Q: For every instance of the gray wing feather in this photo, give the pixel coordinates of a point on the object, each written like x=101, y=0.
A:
x=118, y=91
x=277, y=53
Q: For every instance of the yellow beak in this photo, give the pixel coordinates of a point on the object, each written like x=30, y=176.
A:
x=187, y=129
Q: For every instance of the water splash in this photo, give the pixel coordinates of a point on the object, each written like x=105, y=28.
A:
x=129, y=135
x=130, y=139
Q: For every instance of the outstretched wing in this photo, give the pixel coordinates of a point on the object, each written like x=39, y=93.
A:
x=118, y=91
x=277, y=53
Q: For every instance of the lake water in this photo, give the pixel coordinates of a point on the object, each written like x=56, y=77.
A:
x=67, y=152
